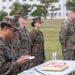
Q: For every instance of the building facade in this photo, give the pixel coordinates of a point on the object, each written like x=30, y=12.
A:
x=6, y=5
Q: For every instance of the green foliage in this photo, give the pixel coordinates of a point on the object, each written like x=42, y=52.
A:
x=45, y=4
x=48, y=3
x=13, y=12
x=70, y=3
x=54, y=9
x=2, y=14
x=39, y=11
x=36, y=12
x=16, y=6
x=24, y=8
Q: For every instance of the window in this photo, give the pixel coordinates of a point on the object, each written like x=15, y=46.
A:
x=4, y=7
x=47, y=14
x=53, y=15
x=60, y=6
x=4, y=0
x=31, y=7
x=16, y=0
x=10, y=7
x=10, y=0
x=31, y=0
x=66, y=14
x=59, y=13
x=24, y=0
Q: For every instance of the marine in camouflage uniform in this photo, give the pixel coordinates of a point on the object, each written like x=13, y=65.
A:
x=67, y=40
x=26, y=45
x=37, y=46
x=16, y=44
x=25, y=41
x=67, y=37
x=8, y=64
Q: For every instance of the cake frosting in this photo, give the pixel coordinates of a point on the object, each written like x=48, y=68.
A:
x=55, y=66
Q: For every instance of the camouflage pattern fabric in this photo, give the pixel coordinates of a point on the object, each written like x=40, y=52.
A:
x=8, y=66
x=69, y=55
x=25, y=40
x=16, y=44
x=22, y=43
x=37, y=46
x=67, y=39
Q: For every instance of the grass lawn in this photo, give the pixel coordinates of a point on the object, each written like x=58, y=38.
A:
x=52, y=43
x=50, y=30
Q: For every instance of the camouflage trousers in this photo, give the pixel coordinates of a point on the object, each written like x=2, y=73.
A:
x=26, y=66
x=69, y=55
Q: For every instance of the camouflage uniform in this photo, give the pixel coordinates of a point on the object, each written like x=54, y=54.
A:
x=25, y=41
x=37, y=47
x=67, y=39
x=26, y=45
x=23, y=36
x=8, y=64
x=16, y=44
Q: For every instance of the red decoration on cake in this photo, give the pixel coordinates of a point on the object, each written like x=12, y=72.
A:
x=55, y=66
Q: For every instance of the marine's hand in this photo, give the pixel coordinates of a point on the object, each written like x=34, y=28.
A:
x=25, y=56
x=22, y=60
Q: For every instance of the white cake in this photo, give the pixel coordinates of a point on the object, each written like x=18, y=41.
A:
x=55, y=66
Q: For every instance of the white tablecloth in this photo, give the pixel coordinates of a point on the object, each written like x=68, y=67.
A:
x=67, y=71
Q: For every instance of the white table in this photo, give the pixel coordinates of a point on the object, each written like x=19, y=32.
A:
x=67, y=71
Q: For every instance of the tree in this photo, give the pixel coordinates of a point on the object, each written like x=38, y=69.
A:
x=38, y=11
x=16, y=7
x=70, y=3
x=13, y=12
x=26, y=9
x=2, y=14
x=45, y=4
